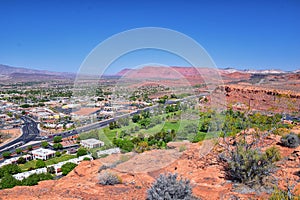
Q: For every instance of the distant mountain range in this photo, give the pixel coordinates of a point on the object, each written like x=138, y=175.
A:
x=17, y=74
x=20, y=74
x=189, y=70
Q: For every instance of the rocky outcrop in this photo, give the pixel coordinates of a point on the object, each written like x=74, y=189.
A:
x=262, y=98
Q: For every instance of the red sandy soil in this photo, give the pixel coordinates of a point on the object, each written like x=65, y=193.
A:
x=85, y=111
x=206, y=173
x=14, y=133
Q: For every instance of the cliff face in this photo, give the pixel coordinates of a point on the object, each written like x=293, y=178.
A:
x=262, y=98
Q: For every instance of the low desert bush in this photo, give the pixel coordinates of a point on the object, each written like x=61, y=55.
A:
x=169, y=187
x=108, y=178
x=283, y=195
x=291, y=140
x=273, y=154
x=182, y=148
x=248, y=165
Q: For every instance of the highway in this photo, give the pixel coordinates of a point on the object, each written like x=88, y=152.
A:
x=29, y=132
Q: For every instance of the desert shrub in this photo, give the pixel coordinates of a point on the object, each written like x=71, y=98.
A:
x=250, y=166
x=108, y=178
x=182, y=148
x=273, y=154
x=291, y=140
x=141, y=147
x=169, y=187
x=283, y=195
x=103, y=167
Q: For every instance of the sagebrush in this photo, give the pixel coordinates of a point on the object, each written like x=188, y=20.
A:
x=168, y=187
x=108, y=178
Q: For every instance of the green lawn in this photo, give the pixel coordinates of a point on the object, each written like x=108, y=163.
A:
x=106, y=135
x=31, y=164
x=59, y=159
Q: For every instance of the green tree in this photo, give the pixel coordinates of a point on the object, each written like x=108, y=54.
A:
x=18, y=151
x=21, y=160
x=145, y=122
x=136, y=118
x=8, y=181
x=66, y=168
x=29, y=148
x=33, y=179
x=57, y=146
x=44, y=144
x=51, y=170
x=146, y=114
x=57, y=154
x=9, y=169
x=6, y=154
x=81, y=152
x=57, y=139
x=40, y=164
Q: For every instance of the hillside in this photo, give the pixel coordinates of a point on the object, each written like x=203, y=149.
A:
x=138, y=173
x=20, y=74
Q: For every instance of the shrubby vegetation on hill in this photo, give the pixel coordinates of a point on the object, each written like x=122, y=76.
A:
x=291, y=140
x=170, y=187
x=108, y=178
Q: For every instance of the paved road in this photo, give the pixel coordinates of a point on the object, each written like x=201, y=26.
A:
x=29, y=132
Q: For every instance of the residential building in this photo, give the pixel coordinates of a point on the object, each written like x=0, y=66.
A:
x=91, y=143
x=43, y=154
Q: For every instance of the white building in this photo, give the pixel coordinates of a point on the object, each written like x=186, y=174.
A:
x=43, y=154
x=91, y=143
x=109, y=151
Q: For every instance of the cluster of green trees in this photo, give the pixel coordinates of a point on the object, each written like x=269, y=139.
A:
x=143, y=119
x=67, y=167
x=141, y=143
x=81, y=152
x=119, y=123
x=163, y=99
x=172, y=108
x=57, y=145
x=8, y=181
x=9, y=169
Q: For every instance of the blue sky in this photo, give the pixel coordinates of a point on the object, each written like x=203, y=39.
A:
x=58, y=35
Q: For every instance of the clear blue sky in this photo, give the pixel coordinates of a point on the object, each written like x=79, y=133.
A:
x=58, y=35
